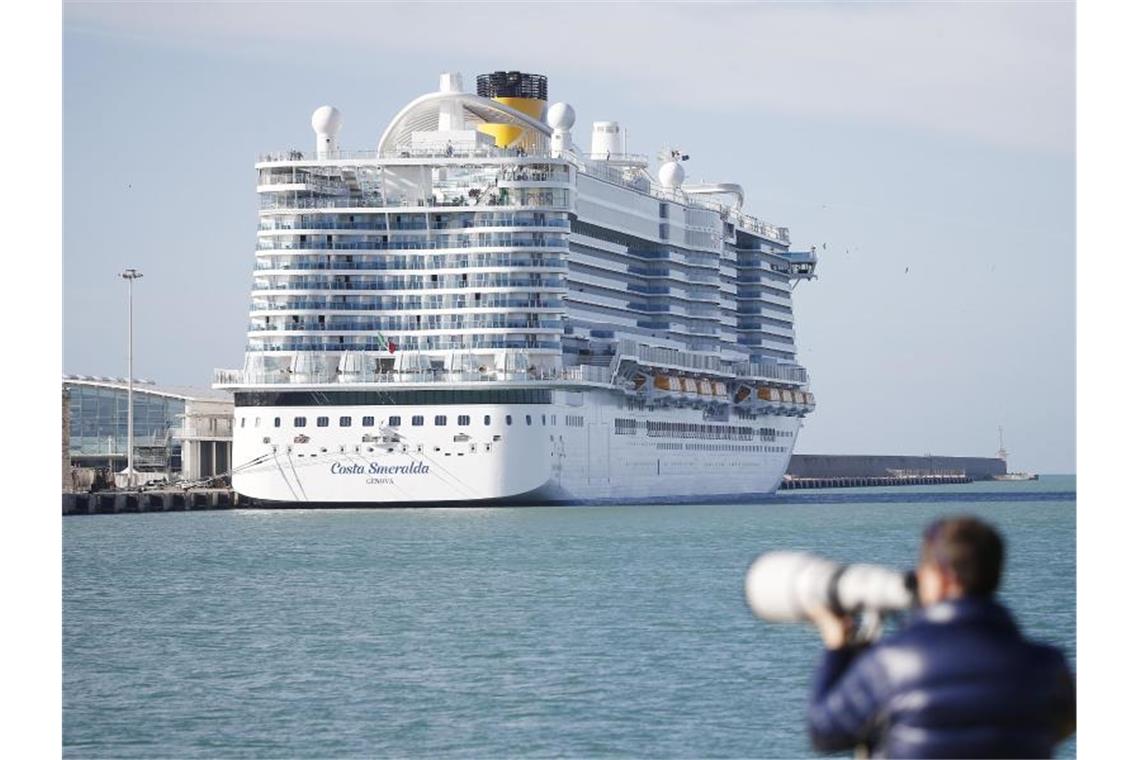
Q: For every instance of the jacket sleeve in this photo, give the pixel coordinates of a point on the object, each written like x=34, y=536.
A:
x=847, y=696
x=1064, y=701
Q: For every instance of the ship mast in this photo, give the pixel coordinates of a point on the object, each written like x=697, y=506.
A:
x=1002, y=454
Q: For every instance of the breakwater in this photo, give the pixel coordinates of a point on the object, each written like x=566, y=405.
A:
x=875, y=481
x=887, y=466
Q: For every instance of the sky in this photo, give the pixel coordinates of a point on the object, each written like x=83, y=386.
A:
x=927, y=150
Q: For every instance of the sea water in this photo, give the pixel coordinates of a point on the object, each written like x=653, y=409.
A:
x=508, y=632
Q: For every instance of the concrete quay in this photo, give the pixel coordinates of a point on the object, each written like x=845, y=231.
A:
x=117, y=502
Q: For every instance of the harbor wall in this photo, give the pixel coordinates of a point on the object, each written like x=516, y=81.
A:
x=874, y=466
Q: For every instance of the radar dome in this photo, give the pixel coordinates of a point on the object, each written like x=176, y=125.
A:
x=560, y=116
x=326, y=120
x=671, y=174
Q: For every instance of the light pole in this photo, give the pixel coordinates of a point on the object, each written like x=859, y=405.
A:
x=130, y=275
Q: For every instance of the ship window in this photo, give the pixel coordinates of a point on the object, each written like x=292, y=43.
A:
x=346, y=422
x=368, y=421
x=528, y=419
x=440, y=419
x=243, y=421
x=464, y=419
x=298, y=422
x=395, y=421
x=508, y=419
x=544, y=419
x=276, y=422
x=322, y=421
x=418, y=420
x=257, y=422
x=554, y=420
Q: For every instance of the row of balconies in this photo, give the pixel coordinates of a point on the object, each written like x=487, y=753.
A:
x=421, y=343
x=435, y=322
x=408, y=282
x=277, y=244
x=378, y=223
x=515, y=198
x=554, y=265
x=396, y=303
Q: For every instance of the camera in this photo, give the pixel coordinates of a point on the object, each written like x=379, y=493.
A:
x=782, y=586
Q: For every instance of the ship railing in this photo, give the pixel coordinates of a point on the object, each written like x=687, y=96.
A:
x=788, y=373
x=348, y=155
x=273, y=244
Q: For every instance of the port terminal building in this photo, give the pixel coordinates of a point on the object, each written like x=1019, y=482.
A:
x=180, y=433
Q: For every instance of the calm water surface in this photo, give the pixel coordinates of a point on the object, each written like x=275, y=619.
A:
x=580, y=631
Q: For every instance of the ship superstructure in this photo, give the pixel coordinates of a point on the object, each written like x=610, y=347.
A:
x=479, y=311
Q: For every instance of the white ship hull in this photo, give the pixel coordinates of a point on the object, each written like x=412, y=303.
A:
x=581, y=448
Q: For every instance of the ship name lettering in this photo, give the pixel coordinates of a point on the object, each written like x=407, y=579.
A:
x=375, y=468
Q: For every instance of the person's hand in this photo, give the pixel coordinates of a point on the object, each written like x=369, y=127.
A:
x=835, y=630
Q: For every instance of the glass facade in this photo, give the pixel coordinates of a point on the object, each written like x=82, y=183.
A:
x=98, y=430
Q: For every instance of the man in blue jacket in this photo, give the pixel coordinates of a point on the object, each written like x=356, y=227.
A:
x=958, y=681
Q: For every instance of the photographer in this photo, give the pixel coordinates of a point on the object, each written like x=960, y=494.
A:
x=958, y=681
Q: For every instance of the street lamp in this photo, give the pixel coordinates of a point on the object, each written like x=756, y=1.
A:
x=130, y=275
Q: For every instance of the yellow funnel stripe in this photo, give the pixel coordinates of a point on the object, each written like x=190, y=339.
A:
x=505, y=134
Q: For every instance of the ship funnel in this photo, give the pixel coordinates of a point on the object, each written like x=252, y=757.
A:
x=605, y=141
x=522, y=92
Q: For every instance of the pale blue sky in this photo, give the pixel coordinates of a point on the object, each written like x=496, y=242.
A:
x=929, y=146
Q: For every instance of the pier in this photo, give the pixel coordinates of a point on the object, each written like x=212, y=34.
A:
x=117, y=502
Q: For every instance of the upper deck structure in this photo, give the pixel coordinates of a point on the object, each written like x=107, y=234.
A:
x=478, y=243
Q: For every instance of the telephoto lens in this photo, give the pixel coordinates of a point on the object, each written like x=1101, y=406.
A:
x=782, y=586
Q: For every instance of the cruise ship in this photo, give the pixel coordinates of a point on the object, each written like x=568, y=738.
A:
x=481, y=311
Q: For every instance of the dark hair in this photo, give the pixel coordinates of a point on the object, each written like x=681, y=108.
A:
x=969, y=548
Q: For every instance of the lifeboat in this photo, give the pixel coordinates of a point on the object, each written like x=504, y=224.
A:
x=767, y=398
x=720, y=390
x=799, y=402
x=690, y=386
x=639, y=382
x=667, y=383
x=809, y=401
x=743, y=393
x=705, y=388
